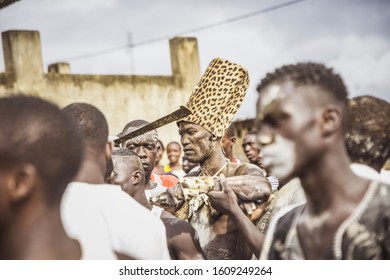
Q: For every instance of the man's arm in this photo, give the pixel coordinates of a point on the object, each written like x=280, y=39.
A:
x=249, y=187
x=249, y=183
x=225, y=201
x=183, y=238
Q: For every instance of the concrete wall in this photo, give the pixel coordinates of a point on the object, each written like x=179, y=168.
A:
x=121, y=98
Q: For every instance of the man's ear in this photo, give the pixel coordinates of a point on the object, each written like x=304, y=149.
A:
x=158, y=148
x=137, y=177
x=108, y=151
x=22, y=183
x=233, y=140
x=331, y=120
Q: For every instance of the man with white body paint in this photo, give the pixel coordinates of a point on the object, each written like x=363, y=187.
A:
x=302, y=115
x=213, y=103
x=302, y=118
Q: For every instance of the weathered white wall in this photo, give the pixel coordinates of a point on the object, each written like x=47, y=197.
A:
x=121, y=98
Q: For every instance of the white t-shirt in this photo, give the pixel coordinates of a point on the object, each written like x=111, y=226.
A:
x=104, y=219
x=157, y=190
x=179, y=173
x=156, y=211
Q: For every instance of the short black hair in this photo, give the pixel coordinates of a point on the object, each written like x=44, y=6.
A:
x=109, y=169
x=124, y=152
x=368, y=138
x=311, y=74
x=135, y=123
x=35, y=131
x=161, y=144
x=251, y=132
x=91, y=123
x=230, y=131
x=175, y=143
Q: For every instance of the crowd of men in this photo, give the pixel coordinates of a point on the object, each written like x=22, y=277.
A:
x=314, y=185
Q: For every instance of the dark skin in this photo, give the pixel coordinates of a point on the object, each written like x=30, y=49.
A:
x=200, y=146
x=308, y=123
x=158, y=168
x=93, y=171
x=252, y=151
x=250, y=148
x=226, y=202
x=227, y=146
x=174, y=152
x=325, y=210
x=183, y=240
x=31, y=228
x=145, y=146
x=301, y=117
x=93, y=166
x=187, y=165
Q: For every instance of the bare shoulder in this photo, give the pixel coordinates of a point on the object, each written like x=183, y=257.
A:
x=182, y=237
x=236, y=169
x=178, y=224
x=193, y=173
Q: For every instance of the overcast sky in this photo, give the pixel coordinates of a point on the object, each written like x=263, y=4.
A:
x=353, y=36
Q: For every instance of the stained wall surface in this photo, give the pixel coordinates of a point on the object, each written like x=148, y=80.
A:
x=121, y=98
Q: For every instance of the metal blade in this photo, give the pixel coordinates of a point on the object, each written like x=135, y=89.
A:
x=175, y=116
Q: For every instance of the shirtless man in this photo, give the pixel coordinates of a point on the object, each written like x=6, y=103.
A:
x=145, y=146
x=253, y=153
x=297, y=111
x=218, y=234
x=183, y=241
x=213, y=108
x=228, y=141
x=251, y=150
x=34, y=171
x=302, y=118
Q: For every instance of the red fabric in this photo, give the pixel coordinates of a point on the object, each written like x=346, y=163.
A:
x=166, y=180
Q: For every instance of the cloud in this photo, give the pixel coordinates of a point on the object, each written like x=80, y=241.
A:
x=350, y=35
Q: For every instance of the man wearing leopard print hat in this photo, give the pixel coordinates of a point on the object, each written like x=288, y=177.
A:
x=213, y=103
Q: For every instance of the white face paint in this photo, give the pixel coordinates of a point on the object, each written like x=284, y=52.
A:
x=280, y=157
x=272, y=93
x=278, y=152
x=287, y=126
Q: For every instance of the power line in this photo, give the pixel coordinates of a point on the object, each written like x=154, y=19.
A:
x=193, y=30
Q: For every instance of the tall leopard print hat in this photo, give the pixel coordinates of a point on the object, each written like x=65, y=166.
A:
x=218, y=95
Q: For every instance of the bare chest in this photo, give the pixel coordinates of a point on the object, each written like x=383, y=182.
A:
x=217, y=235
